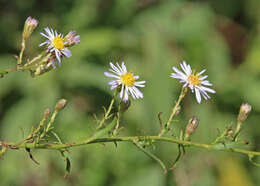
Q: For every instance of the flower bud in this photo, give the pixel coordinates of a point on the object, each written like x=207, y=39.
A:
x=191, y=127
x=244, y=111
x=29, y=26
x=61, y=104
x=47, y=113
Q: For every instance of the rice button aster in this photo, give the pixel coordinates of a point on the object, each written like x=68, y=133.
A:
x=56, y=44
x=195, y=81
x=124, y=80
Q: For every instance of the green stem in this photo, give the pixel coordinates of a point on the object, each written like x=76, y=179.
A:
x=21, y=53
x=117, y=121
x=27, y=66
x=6, y=71
x=174, y=112
x=132, y=139
x=30, y=64
x=37, y=130
x=151, y=156
x=238, y=130
x=49, y=125
x=102, y=122
x=3, y=150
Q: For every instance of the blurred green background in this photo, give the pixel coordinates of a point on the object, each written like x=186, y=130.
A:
x=151, y=36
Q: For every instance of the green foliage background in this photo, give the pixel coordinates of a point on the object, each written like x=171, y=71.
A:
x=151, y=36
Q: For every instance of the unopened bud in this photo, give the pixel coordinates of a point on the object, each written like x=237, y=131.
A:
x=244, y=111
x=61, y=104
x=29, y=26
x=191, y=127
x=47, y=113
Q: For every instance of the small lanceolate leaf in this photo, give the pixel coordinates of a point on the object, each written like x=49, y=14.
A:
x=105, y=130
x=68, y=167
x=178, y=157
x=57, y=137
x=67, y=160
x=31, y=156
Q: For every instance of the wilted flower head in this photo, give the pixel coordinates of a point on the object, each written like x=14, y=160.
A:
x=124, y=80
x=29, y=26
x=57, y=44
x=195, y=81
x=72, y=38
x=192, y=125
x=244, y=111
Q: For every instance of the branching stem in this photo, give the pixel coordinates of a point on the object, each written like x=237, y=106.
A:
x=132, y=139
x=107, y=113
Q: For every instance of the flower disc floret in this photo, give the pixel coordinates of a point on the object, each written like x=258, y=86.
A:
x=195, y=81
x=125, y=81
x=58, y=42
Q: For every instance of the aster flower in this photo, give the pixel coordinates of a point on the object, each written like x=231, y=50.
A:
x=124, y=80
x=195, y=81
x=57, y=44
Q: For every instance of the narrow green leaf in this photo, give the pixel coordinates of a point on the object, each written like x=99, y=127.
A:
x=68, y=167
x=178, y=157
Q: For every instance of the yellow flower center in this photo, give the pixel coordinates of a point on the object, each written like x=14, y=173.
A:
x=128, y=79
x=194, y=79
x=58, y=42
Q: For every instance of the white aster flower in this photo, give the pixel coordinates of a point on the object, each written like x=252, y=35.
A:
x=56, y=44
x=195, y=81
x=126, y=81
